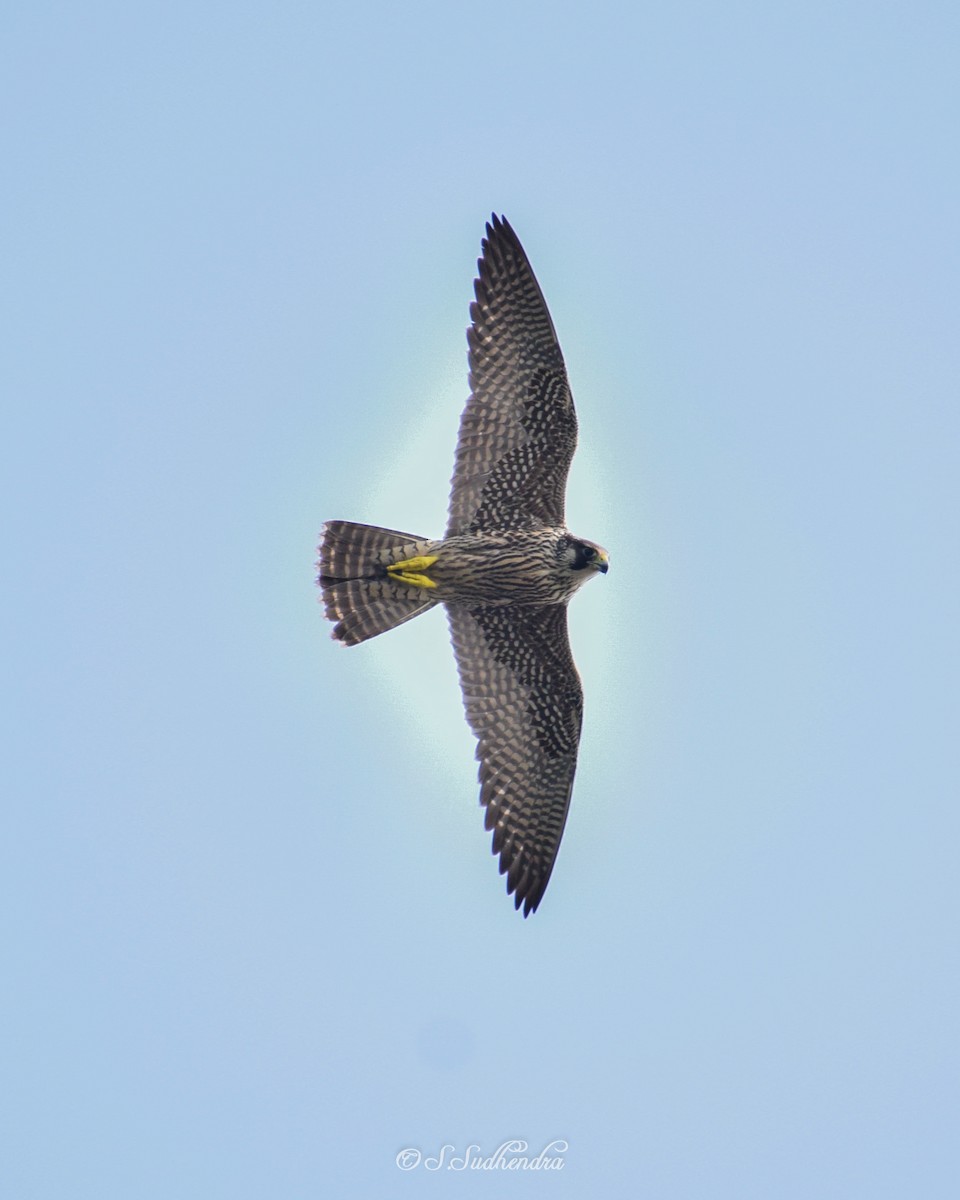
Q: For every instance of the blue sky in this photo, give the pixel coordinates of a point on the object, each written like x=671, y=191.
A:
x=256, y=942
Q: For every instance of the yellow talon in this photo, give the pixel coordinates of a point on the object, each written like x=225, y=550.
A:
x=414, y=564
x=415, y=580
x=409, y=570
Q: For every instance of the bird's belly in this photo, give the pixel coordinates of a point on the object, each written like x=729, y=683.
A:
x=497, y=590
x=488, y=571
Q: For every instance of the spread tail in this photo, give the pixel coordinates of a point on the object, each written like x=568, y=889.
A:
x=366, y=586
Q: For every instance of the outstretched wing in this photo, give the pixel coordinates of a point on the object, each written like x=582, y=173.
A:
x=523, y=700
x=518, y=431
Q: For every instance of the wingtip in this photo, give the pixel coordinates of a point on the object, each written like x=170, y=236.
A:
x=527, y=895
x=498, y=224
x=499, y=244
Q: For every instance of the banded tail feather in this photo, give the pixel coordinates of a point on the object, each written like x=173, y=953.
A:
x=358, y=593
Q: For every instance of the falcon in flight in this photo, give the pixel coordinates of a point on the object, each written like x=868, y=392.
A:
x=505, y=569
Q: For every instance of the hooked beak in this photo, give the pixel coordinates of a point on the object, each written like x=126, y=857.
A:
x=603, y=562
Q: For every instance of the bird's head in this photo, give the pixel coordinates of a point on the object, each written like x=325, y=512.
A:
x=582, y=557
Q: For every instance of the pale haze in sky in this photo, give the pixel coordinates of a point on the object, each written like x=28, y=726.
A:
x=256, y=945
